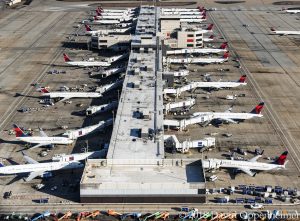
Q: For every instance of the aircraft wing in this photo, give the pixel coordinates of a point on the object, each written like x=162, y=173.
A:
x=33, y=175
x=247, y=171
x=64, y=99
x=40, y=145
x=29, y=159
x=254, y=159
x=228, y=119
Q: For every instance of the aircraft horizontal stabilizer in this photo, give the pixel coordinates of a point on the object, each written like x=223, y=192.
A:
x=247, y=171
x=29, y=159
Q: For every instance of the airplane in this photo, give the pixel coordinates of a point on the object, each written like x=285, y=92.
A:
x=210, y=38
x=208, y=29
x=89, y=30
x=235, y=118
x=85, y=63
x=36, y=169
x=202, y=61
x=68, y=95
x=221, y=49
x=222, y=84
x=291, y=11
x=74, y=134
x=285, y=32
x=42, y=140
x=247, y=166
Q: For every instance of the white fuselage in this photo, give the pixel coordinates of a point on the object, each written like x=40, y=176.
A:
x=217, y=163
x=233, y=116
x=197, y=60
x=197, y=51
x=292, y=11
x=192, y=20
x=45, y=140
x=287, y=32
x=208, y=39
x=28, y=168
x=89, y=63
x=67, y=95
x=218, y=84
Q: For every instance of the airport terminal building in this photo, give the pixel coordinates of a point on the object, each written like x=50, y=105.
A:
x=136, y=169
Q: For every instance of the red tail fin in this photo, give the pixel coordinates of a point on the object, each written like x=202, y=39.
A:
x=282, y=158
x=210, y=27
x=98, y=13
x=66, y=57
x=242, y=79
x=224, y=45
x=204, y=16
x=211, y=37
x=96, y=18
x=226, y=55
x=258, y=108
x=272, y=29
x=44, y=90
x=88, y=28
x=19, y=132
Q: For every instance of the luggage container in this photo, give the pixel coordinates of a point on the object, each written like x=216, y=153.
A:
x=259, y=189
x=266, y=194
x=268, y=201
x=278, y=190
x=251, y=201
x=239, y=200
x=258, y=199
x=222, y=200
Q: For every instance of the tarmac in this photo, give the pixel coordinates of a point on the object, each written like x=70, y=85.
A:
x=33, y=38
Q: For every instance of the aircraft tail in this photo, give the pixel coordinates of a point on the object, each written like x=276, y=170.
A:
x=98, y=13
x=210, y=27
x=272, y=29
x=226, y=55
x=258, y=108
x=19, y=132
x=281, y=160
x=201, y=9
x=88, y=28
x=211, y=37
x=224, y=45
x=203, y=16
x=1, y=165
x=66, y=57
x=242, y=79
x=96, y=18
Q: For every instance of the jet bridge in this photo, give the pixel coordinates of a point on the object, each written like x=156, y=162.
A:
x=109, y=87
x=182, y=124
x=183, y=147
x=101, y=108
x=181, y=104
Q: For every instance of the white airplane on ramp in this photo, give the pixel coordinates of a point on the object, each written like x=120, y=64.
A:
x=221, y=49
x=35, y=169
x=85, y=63
x=235, y=118
x=249, y=167
x=63, y=96
x=291, y=11
x=40, y=141
x=201, y=61
x=284, y=32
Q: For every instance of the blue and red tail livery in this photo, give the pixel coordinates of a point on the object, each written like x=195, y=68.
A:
x=223, y=45
x=210, y=27
x=242, y=79
x=19, y=132
x=282, y=158
x=258, y=108
x=1, y=164
x=66, y=57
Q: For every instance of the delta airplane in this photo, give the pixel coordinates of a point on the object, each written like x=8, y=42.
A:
x=210, y=38
x=202, y=61
x=221, y=84
x=42, y=140
x=235, y=118
x=89, y=31
x=85, y=63
x=221, y=49
x=285, y=32
x=36, y=169
x=68, y=95
x=247, y=166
